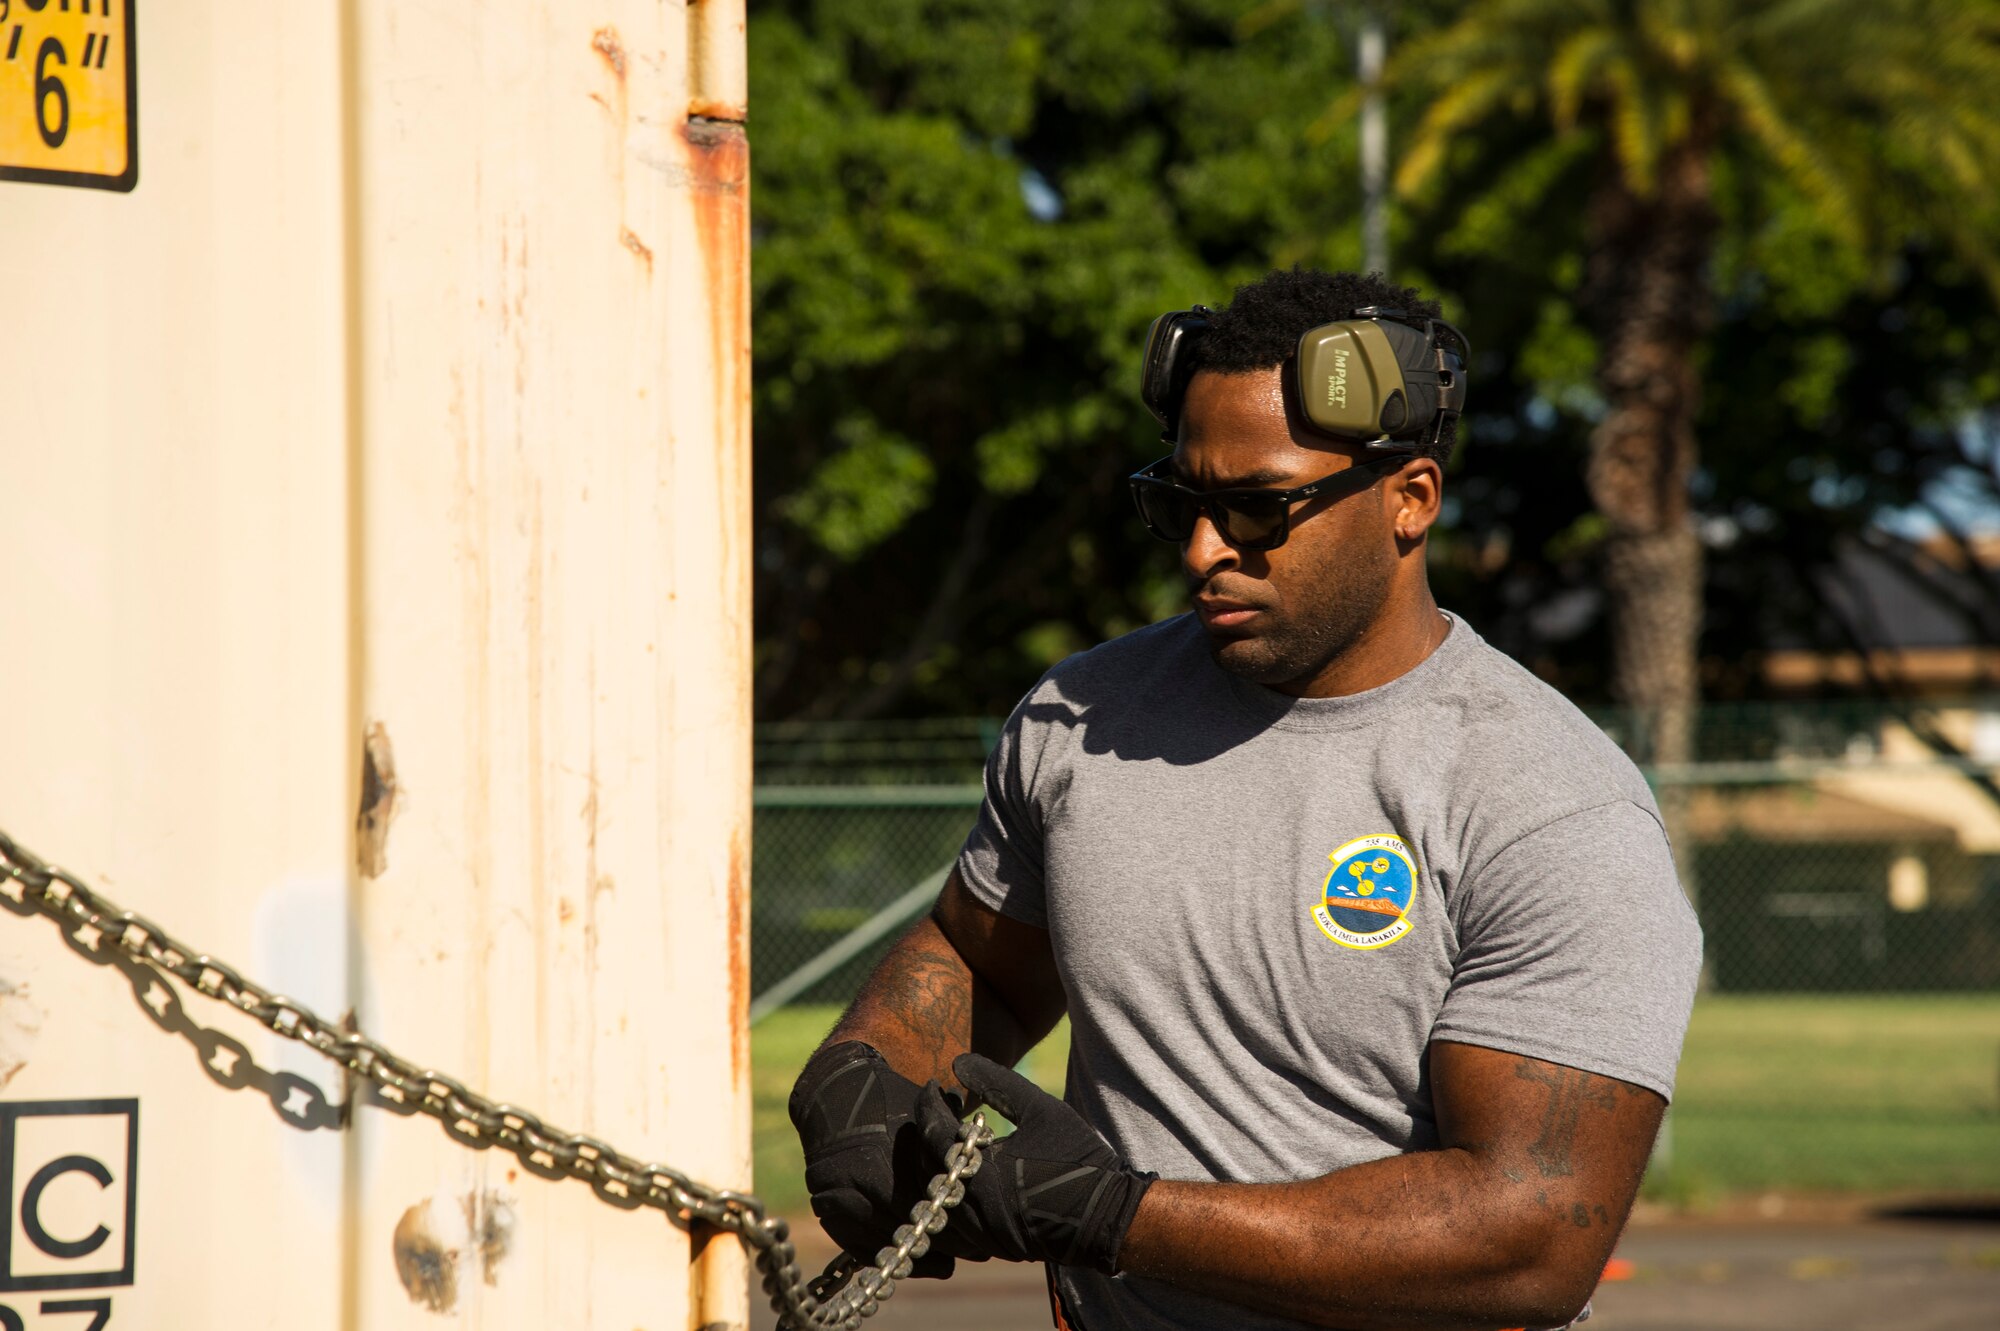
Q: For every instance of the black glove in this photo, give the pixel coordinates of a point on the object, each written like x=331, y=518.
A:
x=1052, y=1191
x=865, y=1162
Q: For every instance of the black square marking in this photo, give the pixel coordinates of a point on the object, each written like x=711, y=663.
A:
x=80, y=1260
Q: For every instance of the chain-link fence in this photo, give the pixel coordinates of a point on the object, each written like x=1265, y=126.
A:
x=849, y=818
x=1849, y=846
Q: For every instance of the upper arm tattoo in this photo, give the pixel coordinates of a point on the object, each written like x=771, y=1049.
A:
x=1571, y=1093
x=1567, y=1143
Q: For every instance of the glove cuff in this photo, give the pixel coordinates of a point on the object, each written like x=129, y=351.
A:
x=1118, y=1207
x=823, y=1067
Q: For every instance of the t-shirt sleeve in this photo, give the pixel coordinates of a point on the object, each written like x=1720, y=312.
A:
x=1001, y=862
x=1577, y=945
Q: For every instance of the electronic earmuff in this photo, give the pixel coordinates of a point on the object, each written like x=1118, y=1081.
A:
x=1384, y=379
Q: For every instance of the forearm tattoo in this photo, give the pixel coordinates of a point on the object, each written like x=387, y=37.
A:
x=919, y=998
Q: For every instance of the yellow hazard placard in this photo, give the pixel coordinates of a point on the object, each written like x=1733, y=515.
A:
x=69, y=93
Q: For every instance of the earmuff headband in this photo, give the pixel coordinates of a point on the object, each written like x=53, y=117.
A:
x=1385, y=379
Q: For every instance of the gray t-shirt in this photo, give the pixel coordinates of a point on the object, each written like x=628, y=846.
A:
x=1264, y=908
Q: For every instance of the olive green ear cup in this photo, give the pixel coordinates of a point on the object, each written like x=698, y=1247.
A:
x=1349, y=380
x=1383, y=378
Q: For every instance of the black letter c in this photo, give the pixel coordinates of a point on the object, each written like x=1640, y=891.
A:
x=31, y=1203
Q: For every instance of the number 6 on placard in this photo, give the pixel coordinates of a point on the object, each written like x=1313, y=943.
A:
x=47, y=86
x=69, y=92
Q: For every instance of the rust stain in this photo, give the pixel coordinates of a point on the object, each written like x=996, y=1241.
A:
x=380, y=798
x=637, y=246
x=489, y=1221
x=717, y=158
x=723, y=136
x=710, y=109
x=20, y=1026
x=443, y=1235
x=739, y=959
x=611, y=47
x=606, y=43
x=427, y=1266
x=718, y=161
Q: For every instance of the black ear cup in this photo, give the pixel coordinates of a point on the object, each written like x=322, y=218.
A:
x=1168, y=364
x=1416, y=359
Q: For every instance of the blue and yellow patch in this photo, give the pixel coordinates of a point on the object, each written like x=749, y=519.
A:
x=1366, y=900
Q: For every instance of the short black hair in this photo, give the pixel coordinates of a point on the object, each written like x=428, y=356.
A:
x=1261, y=327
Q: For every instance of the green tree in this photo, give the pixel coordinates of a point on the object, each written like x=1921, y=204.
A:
x=1863, y=127
x=965, y=215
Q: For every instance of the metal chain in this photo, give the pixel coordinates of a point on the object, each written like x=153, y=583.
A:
x=837, y=1301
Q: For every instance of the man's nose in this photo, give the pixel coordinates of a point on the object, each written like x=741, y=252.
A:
x=1206, y=552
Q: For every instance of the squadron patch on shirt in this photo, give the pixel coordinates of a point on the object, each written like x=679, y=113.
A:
x=1367, y=898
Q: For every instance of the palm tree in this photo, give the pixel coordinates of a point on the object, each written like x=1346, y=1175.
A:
x=1880, y=114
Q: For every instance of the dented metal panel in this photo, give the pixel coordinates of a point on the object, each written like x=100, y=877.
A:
x=389, y=459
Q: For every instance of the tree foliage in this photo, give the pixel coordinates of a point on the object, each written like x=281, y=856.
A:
x=965, y=215
x=1702, y=167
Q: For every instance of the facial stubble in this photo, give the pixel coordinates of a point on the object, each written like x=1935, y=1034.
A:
x=1322, y=618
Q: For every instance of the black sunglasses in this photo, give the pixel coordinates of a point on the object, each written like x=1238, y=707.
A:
x=1249, y=519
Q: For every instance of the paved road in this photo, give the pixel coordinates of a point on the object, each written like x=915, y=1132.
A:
x=1874, y=1275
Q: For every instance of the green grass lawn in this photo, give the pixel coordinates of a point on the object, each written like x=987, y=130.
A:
x=1804, y=1094
x=1838, y=1093
x=779, y=1047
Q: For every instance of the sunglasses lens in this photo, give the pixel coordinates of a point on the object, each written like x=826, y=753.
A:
x=1253, y=522
x=1168, y=513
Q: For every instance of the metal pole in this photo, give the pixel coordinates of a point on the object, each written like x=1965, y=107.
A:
x=1371, y=52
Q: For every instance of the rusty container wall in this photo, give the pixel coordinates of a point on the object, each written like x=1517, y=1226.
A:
x=374, y=613
x=551, y=603
x=174, y=653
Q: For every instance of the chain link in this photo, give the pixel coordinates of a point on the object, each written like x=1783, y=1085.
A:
x=837, y=1301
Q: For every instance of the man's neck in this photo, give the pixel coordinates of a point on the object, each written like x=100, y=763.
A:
x=1396, y=643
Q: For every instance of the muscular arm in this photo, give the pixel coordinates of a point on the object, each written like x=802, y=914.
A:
x=965, y=979
x=1509, y=1223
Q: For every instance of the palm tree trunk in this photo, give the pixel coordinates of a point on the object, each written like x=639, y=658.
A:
x=1647, y=291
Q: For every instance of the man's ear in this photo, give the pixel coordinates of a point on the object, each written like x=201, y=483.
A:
x=1415, y=494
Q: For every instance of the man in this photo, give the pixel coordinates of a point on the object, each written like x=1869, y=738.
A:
x=1375, y=961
